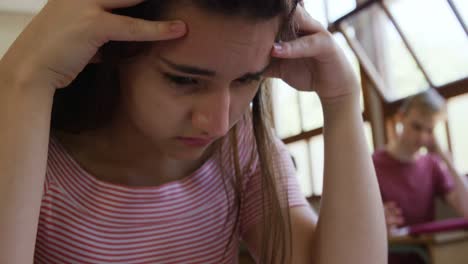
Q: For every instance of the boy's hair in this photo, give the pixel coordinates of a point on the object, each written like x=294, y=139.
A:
x=429, y=102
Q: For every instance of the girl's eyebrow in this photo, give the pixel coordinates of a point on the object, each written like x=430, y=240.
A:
x=194, y=70
x=255, y=75
x=188, y=69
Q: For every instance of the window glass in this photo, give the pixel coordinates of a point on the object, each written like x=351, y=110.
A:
x=285, y=109
x=440, y=133
x=339, y=8
x=458, y=124
x=301, y=158
x=317, y=158
x=382, y=44
x=368, y=135
x=316, y=9
x=436, y=37
x=311, y=109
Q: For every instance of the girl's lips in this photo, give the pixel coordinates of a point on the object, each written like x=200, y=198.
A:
x=195, y=142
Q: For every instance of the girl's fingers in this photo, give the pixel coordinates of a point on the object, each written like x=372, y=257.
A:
x=308, y=46
x=113, y=4
x=315, y=38
x=122, y=28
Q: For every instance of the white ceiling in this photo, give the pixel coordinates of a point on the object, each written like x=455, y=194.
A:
x=21, y=6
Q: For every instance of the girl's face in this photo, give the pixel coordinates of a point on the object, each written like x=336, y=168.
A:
x=187, y=93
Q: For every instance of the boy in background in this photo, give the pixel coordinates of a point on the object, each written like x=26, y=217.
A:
x=410, y=181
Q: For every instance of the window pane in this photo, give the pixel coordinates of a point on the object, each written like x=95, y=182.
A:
x=312, y=116
x=316, y=9
x=458, y=122
x=11, y=26
x=301, y=158
x=316, y=155
x=285, y=109
x=384, y=46
x=436, y=36
x=368, y=135
x=440, y=133
x=402, y=74
x=21, y=6
x=339, y=8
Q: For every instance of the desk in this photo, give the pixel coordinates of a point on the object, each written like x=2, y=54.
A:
x=443, y=248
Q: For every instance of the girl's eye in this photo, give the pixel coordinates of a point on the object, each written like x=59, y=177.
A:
x=247, y=81
x=180, y=80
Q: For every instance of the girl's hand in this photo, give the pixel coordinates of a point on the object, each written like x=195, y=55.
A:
x=62, y=39
x=313, y=61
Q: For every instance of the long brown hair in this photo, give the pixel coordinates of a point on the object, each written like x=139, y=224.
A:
x=91, y=100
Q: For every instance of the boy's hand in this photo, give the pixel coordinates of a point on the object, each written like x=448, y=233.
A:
x=393, y=216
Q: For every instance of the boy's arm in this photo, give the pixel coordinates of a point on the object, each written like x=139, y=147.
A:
x=457, y=198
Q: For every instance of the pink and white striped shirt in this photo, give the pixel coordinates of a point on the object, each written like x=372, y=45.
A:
x=85, y=220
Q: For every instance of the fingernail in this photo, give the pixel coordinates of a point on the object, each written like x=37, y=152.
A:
x=177, y=27
x=278, y=47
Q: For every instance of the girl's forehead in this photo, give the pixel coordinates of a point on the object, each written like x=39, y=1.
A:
x=220, y=42
x=240, y=28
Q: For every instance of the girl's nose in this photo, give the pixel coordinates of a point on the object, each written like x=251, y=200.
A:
x=212, y=114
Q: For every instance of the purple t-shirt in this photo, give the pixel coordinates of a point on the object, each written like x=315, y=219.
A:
x=413, y=186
